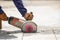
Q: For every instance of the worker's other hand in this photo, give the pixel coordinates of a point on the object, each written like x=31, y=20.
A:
x=28, y=16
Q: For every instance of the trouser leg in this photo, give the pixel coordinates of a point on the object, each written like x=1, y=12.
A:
x=3, y=17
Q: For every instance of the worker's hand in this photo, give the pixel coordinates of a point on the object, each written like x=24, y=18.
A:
x=28, y=16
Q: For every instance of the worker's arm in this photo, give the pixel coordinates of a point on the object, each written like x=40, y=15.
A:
x=20, y=6
x=22, y=9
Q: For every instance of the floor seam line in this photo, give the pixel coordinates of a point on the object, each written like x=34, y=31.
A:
x=54, y=34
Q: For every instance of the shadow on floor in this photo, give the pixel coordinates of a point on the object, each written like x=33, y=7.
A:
x=8, y=34
x=43, y=32
x=57, y=31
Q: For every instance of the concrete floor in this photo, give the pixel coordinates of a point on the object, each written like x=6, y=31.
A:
x=46, y=16
x=10, y=32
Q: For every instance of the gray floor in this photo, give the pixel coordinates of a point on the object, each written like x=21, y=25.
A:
x=43, y=33
x=46, y=16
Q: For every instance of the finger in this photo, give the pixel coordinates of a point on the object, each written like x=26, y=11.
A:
x=31, y=17
x=31, y=14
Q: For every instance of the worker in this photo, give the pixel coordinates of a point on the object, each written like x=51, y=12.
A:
x=19, y=5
